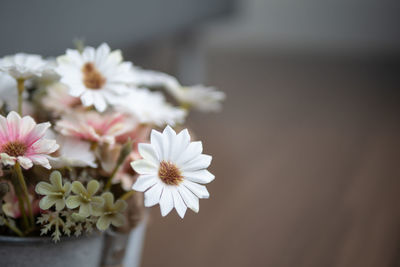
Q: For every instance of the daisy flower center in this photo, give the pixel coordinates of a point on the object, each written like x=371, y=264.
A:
x=92, y=78
x=169, y=173
x=14, y=148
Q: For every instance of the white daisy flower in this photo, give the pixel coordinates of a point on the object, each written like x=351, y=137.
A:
x=151, y=78
x=200, y=97
x=23, y=66
x=151, y=107
x=97, y=76
x=172, y=171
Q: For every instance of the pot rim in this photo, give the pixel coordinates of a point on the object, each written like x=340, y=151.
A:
x=44, y=239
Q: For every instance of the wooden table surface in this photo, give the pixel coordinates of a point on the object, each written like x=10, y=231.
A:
x=306, y=157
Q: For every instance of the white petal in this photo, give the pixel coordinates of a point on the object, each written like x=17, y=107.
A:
x=87, y=99
x=148, y=152
x=199, y=190
x=88, y=54
x=193, y=150
x=198, y=163
x=102, y=53
x=25, y=162
x=13, y=122
x=156, y=140
x=144, y=182
x=76, y=91
x=40, y=160
x=169, y=137
x=27, y=125
x=181, y=143
x=152, y=196
x=178, y=203
x=166, y=201
x=6, y=159
x=191, y=201
x=44, y=146
x=99, y=102
x=37, y=132
x=201, y=176
x=143, y=166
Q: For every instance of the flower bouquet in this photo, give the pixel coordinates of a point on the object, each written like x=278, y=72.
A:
x=82, y=134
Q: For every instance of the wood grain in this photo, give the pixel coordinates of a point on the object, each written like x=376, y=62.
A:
x=306, y=156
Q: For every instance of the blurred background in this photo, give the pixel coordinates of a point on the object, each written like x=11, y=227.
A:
x=306, y=150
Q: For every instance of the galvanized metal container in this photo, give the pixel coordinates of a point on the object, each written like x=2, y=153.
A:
x=42, y=251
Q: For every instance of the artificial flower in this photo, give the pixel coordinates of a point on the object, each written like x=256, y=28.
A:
x=200, y=97
x=72, y=153
x=94, y=127
x=125, y=179
x=59, y=100
x=8, y=91
x=126, y=176
x=55, y=192
x=11, y=205
x=97, y=76
x=22, y=140
x=108, y=156
x=23, y=66
x=172, y=171
x=110, y=212
x=151, y=107
x=85, y=198
x=151, y=78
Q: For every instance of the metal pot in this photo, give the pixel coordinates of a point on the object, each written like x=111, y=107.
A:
x=124, y=249
x=42, y=251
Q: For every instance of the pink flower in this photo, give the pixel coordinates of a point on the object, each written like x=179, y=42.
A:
x=59, y=100
x=11, y=207
x=22, y=140
x=95, y=127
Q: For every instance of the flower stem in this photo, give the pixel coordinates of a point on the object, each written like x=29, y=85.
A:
x=126, y=149
x=21, y=88
x=24, y=188
x=127, y=195
x=21, y=204
x=13, y=228
x=108, y=184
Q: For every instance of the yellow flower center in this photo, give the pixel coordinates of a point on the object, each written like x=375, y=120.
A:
x=92, y=78
x=169, y=173
x=14, y=148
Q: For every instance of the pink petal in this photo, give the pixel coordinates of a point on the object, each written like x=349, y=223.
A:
x=37, y=133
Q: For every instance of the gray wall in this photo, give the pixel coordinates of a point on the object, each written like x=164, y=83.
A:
x=327, y=25
x=49, y=26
